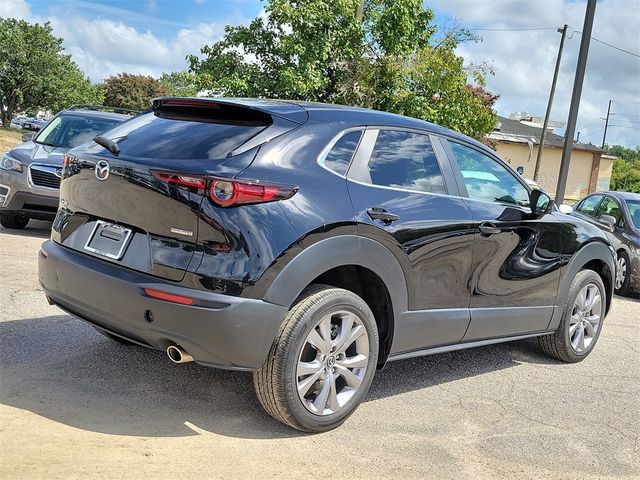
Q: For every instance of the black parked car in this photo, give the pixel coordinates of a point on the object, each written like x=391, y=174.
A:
x=313, y=243
x=618, y=214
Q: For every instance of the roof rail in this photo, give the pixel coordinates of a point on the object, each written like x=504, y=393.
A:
x=103, y=108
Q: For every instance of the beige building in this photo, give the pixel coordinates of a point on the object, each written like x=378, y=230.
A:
x=517, y=142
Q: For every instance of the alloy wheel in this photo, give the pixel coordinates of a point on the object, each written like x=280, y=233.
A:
x=585, y=318
x=621, y=272
x=332, y=363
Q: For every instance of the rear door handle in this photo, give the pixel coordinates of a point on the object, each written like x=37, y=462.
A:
x=487, y=229
x=378, y=213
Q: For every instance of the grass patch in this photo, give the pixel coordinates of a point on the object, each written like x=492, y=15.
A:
x=9, y=138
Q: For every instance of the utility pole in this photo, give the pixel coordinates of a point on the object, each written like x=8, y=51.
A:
x=606, y=124
x=536, y=168
x=360, y=10
x=575, y=100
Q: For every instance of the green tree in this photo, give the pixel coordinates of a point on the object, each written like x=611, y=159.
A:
x=626, y=169
x=35, y=73
x=132, y=91
x=382, y=54
x=179, y=84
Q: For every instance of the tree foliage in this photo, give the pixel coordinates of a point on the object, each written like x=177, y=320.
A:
x=179, y=84
x=35, y=73
x=381, y=54
x=626, y=169
x=132, y=91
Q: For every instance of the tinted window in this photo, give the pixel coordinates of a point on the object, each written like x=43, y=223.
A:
x=405, y=160
x=164, y=135
x=588, y=205
x=610, y=207
x=72, y=130
x=634, y=211
x=339, y=157
x=486, y=179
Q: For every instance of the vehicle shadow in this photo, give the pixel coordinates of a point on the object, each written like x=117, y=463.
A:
x=35, y=228
x=62, y=369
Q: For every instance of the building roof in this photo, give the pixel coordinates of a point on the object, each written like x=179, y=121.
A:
x=509, y=130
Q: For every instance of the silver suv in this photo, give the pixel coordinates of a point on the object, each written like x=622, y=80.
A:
x=30, y=173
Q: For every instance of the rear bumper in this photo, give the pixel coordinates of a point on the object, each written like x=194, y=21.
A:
x=233, y=333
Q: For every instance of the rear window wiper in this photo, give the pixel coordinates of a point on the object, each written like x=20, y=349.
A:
x=108, y=144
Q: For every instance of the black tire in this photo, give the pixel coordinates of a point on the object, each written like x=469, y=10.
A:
x=115, y=338
x=558, y=345
x=12, y=220
x=626, y=288
x=276, y=381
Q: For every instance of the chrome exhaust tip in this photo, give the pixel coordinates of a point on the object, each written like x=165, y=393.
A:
x=178, y=355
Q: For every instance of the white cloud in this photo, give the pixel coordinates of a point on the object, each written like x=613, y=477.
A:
x=524, y=60
x=14, y=9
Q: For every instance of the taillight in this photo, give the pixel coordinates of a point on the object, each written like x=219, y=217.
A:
x=228, y=192
x=67, y=160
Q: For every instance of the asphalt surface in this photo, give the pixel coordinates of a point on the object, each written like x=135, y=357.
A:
x=74, y=404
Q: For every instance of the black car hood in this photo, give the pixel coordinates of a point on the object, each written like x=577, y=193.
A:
x=30, y=152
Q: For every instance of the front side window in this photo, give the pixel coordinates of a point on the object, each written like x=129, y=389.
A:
x=404, y=160
x=610, y=207
x=589, y=205
x=339, y=157
x=486, y=179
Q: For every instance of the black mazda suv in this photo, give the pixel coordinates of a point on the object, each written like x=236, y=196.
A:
x=311, y=244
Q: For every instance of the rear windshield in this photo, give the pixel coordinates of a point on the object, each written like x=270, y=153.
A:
x=634, y=210
x=182, y=135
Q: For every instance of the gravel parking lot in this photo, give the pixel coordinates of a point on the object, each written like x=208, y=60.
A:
x=74, y=404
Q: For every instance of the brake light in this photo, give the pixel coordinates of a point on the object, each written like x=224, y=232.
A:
x=227, y=193
x=67, y=160
x=181, y=180
x=169, y=297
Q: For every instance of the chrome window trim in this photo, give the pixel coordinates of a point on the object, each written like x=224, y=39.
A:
x=325, y=151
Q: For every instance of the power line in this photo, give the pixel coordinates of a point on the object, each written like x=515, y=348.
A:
x=511, y=29
x=609, y=45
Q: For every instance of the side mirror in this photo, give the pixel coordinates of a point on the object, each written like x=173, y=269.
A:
x=566, y=209
x=27, y=137
x=540, y=202
x=608, y=220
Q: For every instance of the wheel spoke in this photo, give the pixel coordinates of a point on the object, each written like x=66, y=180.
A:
x=356, y=333
x=345, y=331
x=590, y=329
x=581, y=342
x=577, y=339
x=325, y=330
x=318, y=342
x=349, y=377
x=321, y=400
x=357, y=361
x=573, y=328
x=305, y=385
x=308, y=368
x=593, y=296
x=332, y=401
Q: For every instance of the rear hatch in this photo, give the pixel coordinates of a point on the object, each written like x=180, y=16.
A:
x=134, y=199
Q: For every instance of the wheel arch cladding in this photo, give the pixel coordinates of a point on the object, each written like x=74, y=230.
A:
x=357, y=264
x=595, y=256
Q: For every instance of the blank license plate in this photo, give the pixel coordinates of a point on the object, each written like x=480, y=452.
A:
x=108, y=240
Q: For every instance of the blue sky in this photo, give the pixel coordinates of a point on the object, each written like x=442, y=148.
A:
x=106, y=37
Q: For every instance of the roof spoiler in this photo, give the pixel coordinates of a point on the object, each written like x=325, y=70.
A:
x=274, y=108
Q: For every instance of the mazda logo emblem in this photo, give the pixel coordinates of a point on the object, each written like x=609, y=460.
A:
x=102, y=170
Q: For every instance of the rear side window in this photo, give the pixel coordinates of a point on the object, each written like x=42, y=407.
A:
x=404, y=160
x=340, y=155
x=486, y=179
x=589, y=205
x=180, y=134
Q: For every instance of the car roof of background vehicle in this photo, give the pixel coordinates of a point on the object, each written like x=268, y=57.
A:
x=624, y=195
x=94, y=114
x=297, y=111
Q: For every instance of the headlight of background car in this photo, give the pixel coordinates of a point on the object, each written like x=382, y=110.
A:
x=8, y=163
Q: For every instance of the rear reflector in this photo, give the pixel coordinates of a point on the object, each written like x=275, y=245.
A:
x=169, y=297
